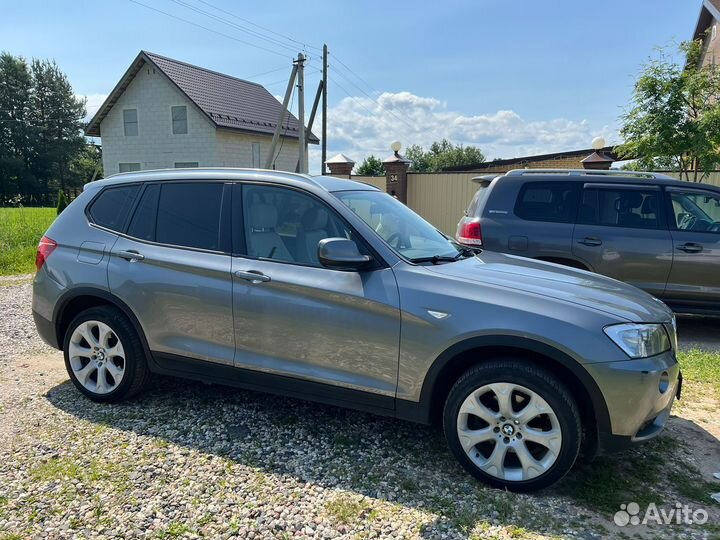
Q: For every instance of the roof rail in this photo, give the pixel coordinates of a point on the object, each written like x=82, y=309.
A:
x=591, y=172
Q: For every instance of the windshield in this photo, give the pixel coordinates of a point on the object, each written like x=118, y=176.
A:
x=404, y=230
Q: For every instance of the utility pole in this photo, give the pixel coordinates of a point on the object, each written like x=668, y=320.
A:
x=288, y=92
x=302, y=157
x=324, y=107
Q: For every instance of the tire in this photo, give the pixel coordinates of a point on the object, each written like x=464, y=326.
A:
x=523, y=448
x=104, y=355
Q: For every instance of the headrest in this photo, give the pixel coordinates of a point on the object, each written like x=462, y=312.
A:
x=314, y=219
x=649, y=205
x=263, y=216
x=629, y=200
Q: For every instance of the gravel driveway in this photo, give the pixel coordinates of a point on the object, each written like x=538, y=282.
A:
x=187, y=460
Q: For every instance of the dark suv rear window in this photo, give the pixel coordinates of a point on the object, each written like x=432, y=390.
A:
x=548, y=201
x=112, y=206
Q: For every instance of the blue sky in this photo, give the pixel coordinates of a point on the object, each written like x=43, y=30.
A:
x=511, y=77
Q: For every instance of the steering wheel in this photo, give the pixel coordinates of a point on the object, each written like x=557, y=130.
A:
x=397, y=238
x=687, y=222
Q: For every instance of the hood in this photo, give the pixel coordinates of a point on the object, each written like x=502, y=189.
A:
x=560, y=282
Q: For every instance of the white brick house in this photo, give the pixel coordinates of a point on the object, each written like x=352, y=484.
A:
x=166, y=114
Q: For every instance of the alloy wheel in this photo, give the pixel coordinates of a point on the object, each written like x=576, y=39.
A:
x=97, y=357
x=509, y=431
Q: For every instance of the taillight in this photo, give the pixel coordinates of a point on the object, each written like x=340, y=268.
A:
x=44, y=249
x=470, y=233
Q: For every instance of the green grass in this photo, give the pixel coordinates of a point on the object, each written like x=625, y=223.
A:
x=347, y=511
x=701, y=367
x=20, y=232
x=641, y=473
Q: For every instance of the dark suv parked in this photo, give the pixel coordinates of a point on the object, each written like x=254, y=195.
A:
x=652, y=231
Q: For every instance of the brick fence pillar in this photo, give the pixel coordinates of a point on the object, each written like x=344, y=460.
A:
x=396, y=168
x=340, y=165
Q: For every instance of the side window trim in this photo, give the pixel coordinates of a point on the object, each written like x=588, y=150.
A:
x=237, y=222
x=362, y=243
x=134, y=207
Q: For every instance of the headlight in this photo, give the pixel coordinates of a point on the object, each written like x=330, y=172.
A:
x=639, y=340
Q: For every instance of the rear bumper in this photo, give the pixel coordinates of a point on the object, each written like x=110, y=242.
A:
x=46, y=329
x=639, y=395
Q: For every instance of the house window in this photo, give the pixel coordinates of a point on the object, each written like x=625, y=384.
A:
x=256, y=155
x=128, y=167
x=179, y=120
x=186, y=164
x=130, y=122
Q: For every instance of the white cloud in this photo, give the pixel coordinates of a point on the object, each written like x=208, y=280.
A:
x=360, y=126
x=94, y=101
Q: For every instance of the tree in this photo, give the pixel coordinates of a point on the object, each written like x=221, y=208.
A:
x=674, y=119
x=372, y=166
x=15, y=84
x=85, y=166
x=40, y=129
x=443, y=155
x=62, y=202
x=56, y=123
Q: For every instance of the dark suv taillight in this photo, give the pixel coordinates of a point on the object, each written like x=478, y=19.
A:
x=470, y=233
x=44, y=249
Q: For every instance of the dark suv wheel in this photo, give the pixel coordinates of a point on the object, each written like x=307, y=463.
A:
x=104, y=355
x=512, y=425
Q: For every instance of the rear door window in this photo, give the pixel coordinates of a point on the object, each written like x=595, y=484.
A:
x=112, y=207
x=142, y=224
x=548, y=201
x=621, y=207
x=189, y=215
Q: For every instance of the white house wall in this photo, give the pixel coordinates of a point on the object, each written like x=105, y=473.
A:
x=155, y=147
x=234, y=149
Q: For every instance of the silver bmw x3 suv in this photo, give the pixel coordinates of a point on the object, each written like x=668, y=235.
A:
x=333, y=291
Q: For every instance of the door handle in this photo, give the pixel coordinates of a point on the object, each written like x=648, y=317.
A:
x=691, y=247
x=253, y=276
x=590, y=241
x=130, y=255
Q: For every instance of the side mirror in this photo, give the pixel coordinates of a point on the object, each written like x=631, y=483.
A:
x=342, y=254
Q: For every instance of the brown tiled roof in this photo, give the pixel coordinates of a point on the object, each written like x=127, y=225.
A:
x=228, y=102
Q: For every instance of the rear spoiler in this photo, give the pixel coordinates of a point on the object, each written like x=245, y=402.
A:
x=485, y=179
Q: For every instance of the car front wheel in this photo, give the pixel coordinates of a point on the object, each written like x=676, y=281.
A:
x=512, y=425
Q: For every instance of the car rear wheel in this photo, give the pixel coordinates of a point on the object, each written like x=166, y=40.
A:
x=512, y=425
x=104, y=356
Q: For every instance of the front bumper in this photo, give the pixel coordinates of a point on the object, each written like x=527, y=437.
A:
x=639, y=395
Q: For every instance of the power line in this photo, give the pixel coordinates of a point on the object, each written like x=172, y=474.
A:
x=354, y=97
x=347, y=68
x=284, y=55
x=343, y=64
x=266, y=73
x=260, y=27
x=411, y=126
x=233, y=25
